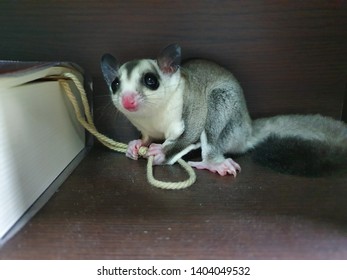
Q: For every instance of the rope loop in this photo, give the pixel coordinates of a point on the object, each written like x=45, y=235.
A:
x=85, y=118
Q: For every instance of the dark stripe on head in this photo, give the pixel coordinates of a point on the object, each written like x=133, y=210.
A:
x=130, y=66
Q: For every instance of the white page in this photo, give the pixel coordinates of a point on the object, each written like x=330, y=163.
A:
x=39, y=137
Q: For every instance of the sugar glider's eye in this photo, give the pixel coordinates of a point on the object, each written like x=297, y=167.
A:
x=115, y=84
x=151, y=81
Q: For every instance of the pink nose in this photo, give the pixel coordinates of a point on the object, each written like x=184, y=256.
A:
x=130, y=101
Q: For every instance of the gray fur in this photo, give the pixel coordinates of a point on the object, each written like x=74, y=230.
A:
x=310, y=145
x=214, y=103
x=308, y=127
x=215, y=115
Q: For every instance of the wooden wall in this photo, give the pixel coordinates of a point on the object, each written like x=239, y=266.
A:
x=290, y=56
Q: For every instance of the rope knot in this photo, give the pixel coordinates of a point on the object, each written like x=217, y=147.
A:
x=143, y=151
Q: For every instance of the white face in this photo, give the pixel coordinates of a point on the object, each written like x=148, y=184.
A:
x=149, y=92
x=141, y=87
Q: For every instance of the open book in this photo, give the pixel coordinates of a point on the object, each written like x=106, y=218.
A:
x=40, y=139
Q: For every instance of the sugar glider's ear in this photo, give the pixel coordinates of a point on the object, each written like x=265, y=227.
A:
x=109, y=67
x=169, y=59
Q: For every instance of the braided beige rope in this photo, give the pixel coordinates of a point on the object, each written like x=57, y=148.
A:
x=88, y=123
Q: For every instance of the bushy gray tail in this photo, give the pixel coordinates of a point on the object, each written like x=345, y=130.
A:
x=309, y=145
x=298, y=156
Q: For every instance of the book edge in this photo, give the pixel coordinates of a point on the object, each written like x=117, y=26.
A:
x=45, y=196
x=36, y=70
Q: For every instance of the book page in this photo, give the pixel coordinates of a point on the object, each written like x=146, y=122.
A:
x=39, y=137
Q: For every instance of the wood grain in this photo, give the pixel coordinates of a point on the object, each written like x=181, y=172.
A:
x=106, y=210
x=290, y=57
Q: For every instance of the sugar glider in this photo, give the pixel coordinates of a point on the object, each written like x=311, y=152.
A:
x=199, y=104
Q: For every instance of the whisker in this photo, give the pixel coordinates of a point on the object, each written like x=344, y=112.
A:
x=105, y=110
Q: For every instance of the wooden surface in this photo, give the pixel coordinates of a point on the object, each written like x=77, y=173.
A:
x=290, y=57
x=106, y=210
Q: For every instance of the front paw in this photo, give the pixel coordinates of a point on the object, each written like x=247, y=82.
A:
x=156, y=150
x=133, y=149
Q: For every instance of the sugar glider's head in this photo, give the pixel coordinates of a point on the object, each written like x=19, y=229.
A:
x=139, y=86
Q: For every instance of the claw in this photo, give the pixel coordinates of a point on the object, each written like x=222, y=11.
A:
x=133, y=149
x=156, y=150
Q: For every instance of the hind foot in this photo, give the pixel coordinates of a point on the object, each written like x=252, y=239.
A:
x=228, y=166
